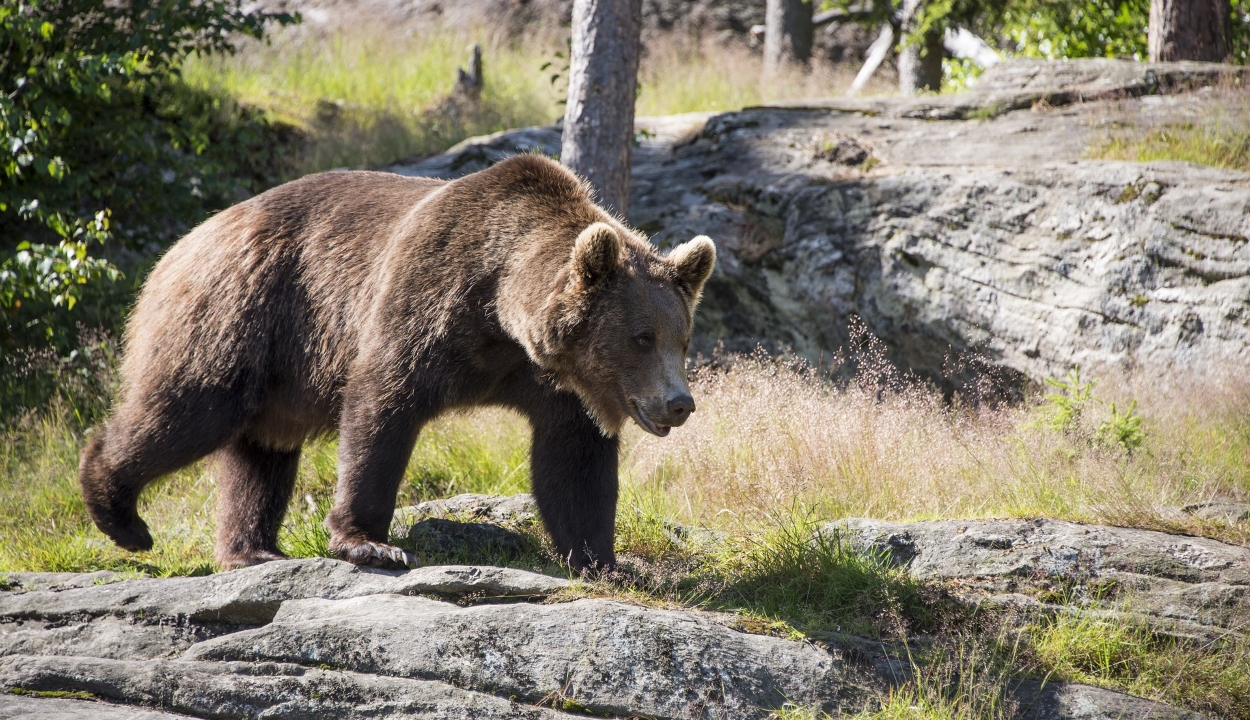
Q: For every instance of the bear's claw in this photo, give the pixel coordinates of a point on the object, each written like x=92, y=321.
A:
x=377, y=555
x=134, y=537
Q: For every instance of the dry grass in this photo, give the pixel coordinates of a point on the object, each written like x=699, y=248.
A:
x=768, y=437
x=774, y=451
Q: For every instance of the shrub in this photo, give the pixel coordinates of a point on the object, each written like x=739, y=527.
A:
x=102, y=142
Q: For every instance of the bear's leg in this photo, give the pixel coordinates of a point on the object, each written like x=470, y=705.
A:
x=142, y=442
x=375, y=443
x=574, y=468
x=254, y=486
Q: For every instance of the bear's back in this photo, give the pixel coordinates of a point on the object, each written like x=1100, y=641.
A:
x=276, y=284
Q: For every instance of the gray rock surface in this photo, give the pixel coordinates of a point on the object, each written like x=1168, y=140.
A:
x=161, y=618
x=607, y=656
x=320, y=639
x=468, y=527
x=1052, y=701
x=472, y=506
x=20, y=707
x=241, y=690
x=975, y=226
x=1187, y=585
x=1226, y=512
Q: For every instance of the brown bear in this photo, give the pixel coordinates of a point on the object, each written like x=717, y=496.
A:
x=370, y=303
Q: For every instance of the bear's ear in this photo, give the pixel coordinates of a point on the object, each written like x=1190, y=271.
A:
x=694, y=261
x=596, y=253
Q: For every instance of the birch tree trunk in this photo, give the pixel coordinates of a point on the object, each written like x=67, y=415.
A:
x=1190, y=30
x=599, y=117
x=788, y=32
x=920, y=63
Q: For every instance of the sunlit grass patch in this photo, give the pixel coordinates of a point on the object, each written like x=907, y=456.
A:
x=1212, y=130
x=365, y=96
x=1212, y=677
x=370, y=95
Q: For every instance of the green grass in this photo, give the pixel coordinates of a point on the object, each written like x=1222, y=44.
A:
x=1213, y=129
x=1213, y=678
x=366, y=96
x=772, y=455
x=371, y=96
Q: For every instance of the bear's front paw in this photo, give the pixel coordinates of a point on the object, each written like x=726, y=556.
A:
x=133, y=536
x=373, y=554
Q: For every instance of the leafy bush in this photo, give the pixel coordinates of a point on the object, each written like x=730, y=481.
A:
x=102, y=142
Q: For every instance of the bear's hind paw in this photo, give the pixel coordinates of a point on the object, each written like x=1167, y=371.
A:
x=373, y=554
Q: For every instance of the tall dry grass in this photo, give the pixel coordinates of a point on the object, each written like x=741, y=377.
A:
x=770, y=436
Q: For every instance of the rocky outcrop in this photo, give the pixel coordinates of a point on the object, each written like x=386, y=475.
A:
x=322, y=639
x=1187, y=586
x=973, y=227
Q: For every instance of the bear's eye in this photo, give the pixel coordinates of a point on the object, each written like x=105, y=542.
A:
x=644, y=341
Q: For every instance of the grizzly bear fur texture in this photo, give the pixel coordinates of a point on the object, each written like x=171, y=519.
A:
x=370, y=303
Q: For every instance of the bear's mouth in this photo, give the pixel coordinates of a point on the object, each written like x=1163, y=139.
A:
x=645, y=423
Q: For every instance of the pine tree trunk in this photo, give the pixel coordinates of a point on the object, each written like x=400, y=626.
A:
x=1190, y=30
x=787, y=33
x=919, y=64
x=603, y=77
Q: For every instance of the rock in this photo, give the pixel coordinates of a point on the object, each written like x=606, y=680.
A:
x=981, y=232
x=1186, y=585
x=605, y=656
x=361, y=650
x=515, y=509
x=1225, y=512
x=446, y=529
x=23, y=581
x=1052, y=701
x=239, y=690
x=435, y=540
x=20, y=707
x=161, y=618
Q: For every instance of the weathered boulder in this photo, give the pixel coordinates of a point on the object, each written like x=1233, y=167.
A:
x=161, y=618
x=974, y=226
x=512, y=509
x=322, y=639
x=468, y=528
x=1183, y=585
x=603, y=655
x=19, y=707
x=1052, y=701
x=245, y=691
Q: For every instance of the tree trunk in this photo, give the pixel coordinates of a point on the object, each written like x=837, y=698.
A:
x=920, y=63
x=787, y=33
x=1190, y=30
x=603, y=78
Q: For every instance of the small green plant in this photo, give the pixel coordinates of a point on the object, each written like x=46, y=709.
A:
x=1123, y=428
x=1063, y=411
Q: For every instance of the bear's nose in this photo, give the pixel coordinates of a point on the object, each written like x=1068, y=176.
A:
x=680, y=407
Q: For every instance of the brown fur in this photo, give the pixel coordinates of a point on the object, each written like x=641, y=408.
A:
x=370, y=303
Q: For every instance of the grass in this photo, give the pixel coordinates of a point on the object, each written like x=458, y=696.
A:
x=1212, y=129
x=371, y=95
x=366, y=95
x=722, y=514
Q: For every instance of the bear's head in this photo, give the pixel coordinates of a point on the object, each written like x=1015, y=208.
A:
x=617, y=326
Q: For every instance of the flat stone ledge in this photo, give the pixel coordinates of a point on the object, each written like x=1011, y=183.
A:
x=252, y=595
x=22, y=707
x=240, y=690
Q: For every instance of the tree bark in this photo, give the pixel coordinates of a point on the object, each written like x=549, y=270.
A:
x=1190, y=30
x=787, y=33
x=920, y=63
x=603, y=78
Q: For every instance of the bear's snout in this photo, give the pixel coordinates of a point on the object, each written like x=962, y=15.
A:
x=679, y=408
